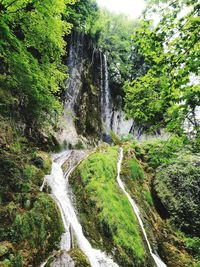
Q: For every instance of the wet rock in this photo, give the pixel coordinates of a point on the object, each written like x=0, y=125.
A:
x=64, y=260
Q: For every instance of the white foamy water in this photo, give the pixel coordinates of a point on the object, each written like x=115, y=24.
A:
x=58, y=182
x=158, y=261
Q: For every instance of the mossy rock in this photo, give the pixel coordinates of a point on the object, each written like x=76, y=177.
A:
x=79, y=258
x=177, y=258
x=43, y=161
x=6, y=133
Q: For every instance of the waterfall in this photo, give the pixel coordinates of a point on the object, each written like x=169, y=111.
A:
x=158, y=261
x=58, y=181
x=106, y=104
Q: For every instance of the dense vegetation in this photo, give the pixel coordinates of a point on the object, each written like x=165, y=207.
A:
x=178, y=187
x=113, y=34
x=31, y=46
x=170, y=195
x=31, y=74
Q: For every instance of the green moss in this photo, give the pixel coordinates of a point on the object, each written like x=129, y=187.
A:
x=5, y=248
x=138, y=185
x=115, y=139
x=79, y=258
x=30, y=222
x=42, y=160
x=34, y=231
x=107, y=210
x=79, y=145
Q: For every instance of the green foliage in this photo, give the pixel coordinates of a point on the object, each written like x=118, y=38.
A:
x=79, y=258
x=165, y=94
x=158, y=152
x=82, y=15
x=79, y=145
x=149, y=199
x=16, y=147
x=111, y=212
x=115, y=139
x=113, y=33
x=177, y=185
x=30, y=72
x=126, y=138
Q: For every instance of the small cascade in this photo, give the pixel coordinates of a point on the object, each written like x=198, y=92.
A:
x=43, y=184
x=58, y=181
x=158, y=261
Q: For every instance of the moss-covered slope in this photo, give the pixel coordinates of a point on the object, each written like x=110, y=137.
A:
x=105, y=212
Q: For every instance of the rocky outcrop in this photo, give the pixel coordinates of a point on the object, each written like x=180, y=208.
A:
x=81, y=117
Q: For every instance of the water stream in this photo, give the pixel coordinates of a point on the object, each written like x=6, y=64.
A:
x=58, y=181
x=106, y=104
x=158, y=261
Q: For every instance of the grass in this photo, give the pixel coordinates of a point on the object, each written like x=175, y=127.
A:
x=136, y=171
x=98, y=176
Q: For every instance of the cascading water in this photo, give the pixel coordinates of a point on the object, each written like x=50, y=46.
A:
x=158, y=261
x=58, y=181
x=106, y=106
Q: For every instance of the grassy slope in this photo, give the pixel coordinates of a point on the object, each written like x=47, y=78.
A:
x=105, y=213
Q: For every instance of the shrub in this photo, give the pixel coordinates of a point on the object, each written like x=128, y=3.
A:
x=177, y=185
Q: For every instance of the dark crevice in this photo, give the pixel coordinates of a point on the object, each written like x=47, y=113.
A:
x=160, y=208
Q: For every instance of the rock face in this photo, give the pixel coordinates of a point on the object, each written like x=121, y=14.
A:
x=81, y=100
x=89, y=110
